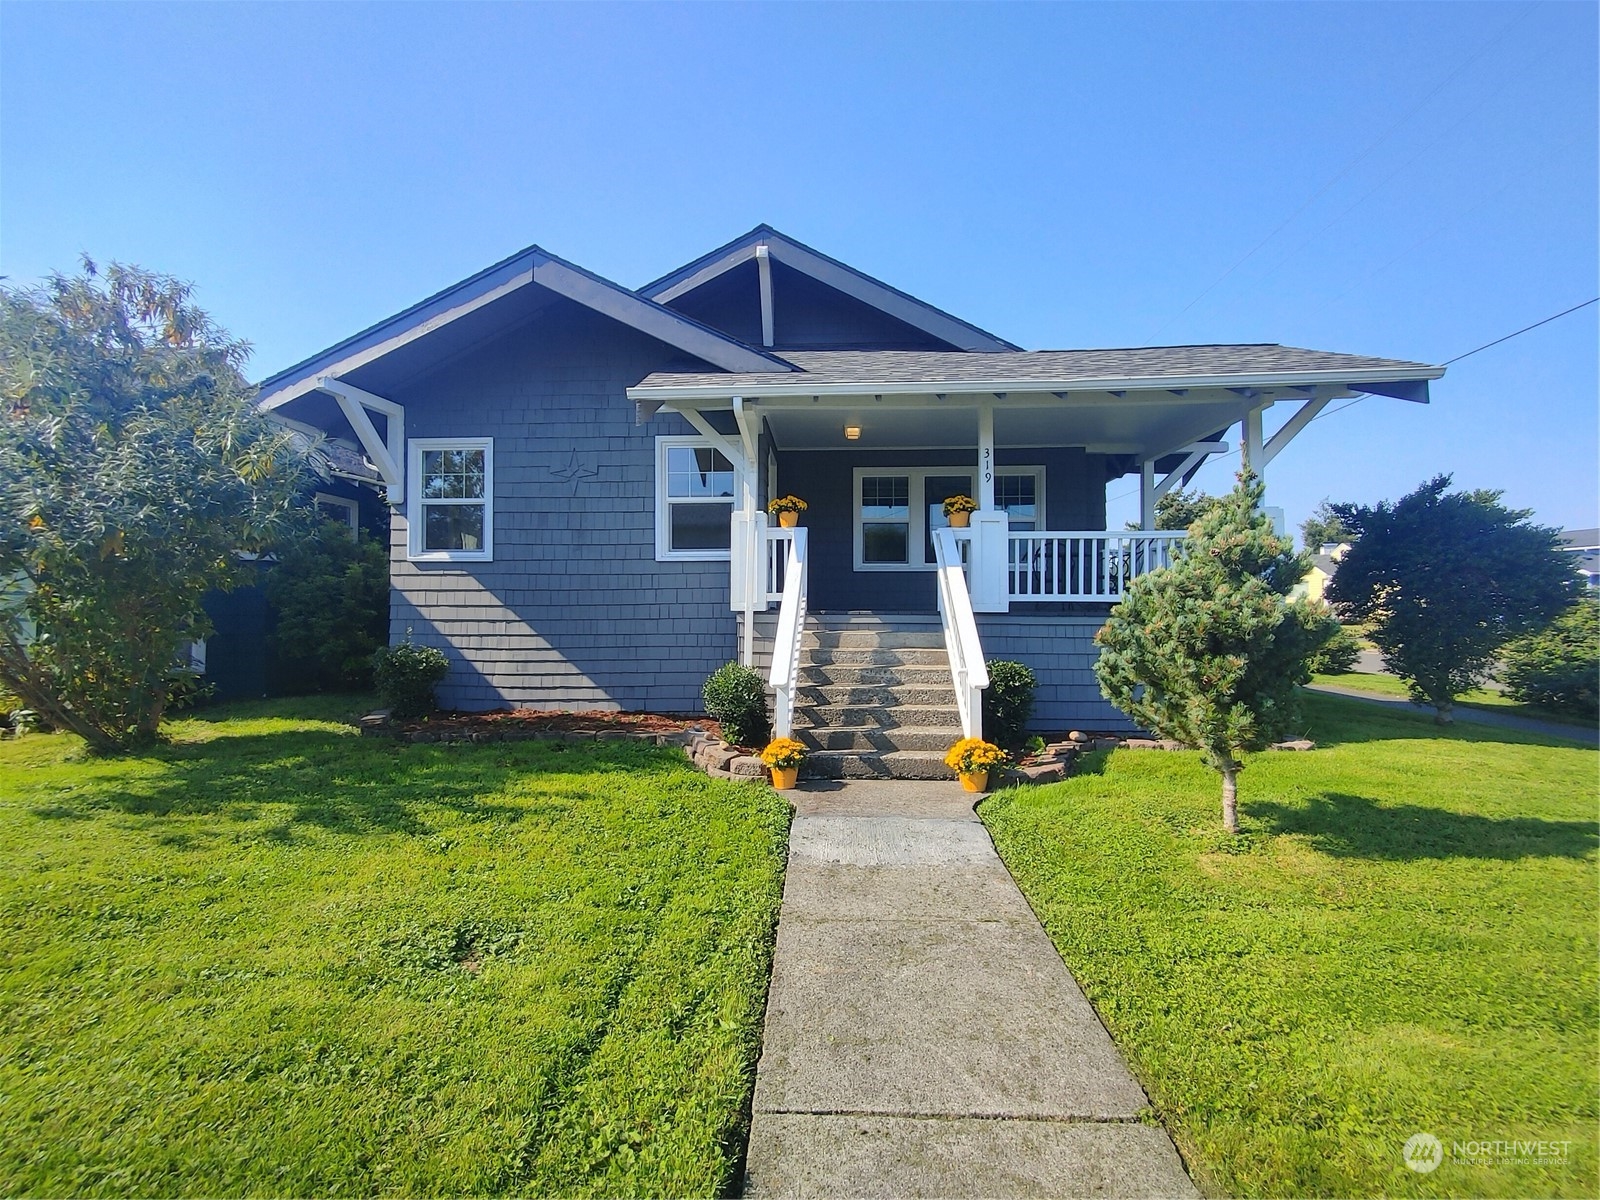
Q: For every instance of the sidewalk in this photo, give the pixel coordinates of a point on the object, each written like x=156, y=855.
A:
x=923, y=1037
x=1470, y=716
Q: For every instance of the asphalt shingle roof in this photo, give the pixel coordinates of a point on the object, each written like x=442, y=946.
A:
x=1053, y=366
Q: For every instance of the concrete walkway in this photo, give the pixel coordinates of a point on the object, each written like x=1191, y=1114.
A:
x=923, y=1037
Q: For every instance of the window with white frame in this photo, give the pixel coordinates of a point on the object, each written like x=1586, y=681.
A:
x=897, y=510
x=450, y=499
x=695, y=488
x=339, y=509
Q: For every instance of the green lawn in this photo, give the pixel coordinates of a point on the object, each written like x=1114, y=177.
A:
x=1484, y=698
x=1402, y=939
x=276, y=958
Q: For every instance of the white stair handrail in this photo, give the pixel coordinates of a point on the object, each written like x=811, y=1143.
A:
x=785, y=674
x=969, y=674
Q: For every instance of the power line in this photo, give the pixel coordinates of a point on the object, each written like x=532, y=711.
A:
x=1447, y=362
x=1520, y=332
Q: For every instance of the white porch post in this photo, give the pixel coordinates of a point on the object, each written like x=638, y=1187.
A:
x=1147, y=494
x=990, y=527
x=1254, y=459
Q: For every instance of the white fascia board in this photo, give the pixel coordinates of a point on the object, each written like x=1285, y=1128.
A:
x=521, y=277
x=707, y=273
x=912, y=312
x=653, y=319
x=783, y=386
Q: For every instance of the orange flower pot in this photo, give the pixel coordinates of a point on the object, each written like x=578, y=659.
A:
x=785, y=778
x=960, y=520
x=974, y=781
x=788, y=520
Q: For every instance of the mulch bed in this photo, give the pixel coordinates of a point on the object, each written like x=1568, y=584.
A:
x=526, y=723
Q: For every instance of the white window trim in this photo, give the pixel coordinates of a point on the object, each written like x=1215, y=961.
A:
x=414, y=501
x=352, y=510
x=664, y=550
x=918, y=533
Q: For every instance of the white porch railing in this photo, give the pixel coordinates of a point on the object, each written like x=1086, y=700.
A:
x=785, y=674
x=1089, y=565
x=776, y=545
x=968, y=672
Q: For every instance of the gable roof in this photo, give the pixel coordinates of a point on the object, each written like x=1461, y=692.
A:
x=840, y=276
x=1045, y=370
x=532, y=265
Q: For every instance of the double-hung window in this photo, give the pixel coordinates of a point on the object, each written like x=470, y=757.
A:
x=450, y=499
x=695, y=487
x=897, y=510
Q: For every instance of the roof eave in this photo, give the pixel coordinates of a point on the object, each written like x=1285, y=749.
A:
x=532, y=265
x=799, y=386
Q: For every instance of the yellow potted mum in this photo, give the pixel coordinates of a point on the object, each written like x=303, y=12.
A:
x=784, y=756
x=972, y=759
x=958, y=511
x=787, y=509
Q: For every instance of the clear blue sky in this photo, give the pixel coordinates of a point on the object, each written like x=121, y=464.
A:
x=1067, y=176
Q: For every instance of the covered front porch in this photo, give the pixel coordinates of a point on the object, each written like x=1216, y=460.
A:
x=874, y=442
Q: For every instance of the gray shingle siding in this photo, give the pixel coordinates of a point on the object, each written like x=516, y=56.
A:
x=574, y=611
x=1061, y=651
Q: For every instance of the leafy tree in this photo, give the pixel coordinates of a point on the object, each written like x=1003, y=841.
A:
x=1322, y=527
x=1179, y=509
x=1446, y=579
x=1559, y=667
x=133, y=467
x=1209, y=652
x=331, y=595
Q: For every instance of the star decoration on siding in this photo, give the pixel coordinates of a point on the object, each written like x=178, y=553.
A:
x=574, y=472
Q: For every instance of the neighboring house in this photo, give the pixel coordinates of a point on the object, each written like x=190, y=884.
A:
x=1584, y=546
x=579, y=471
x=1324, y=565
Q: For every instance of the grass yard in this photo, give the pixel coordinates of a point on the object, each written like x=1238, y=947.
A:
x=276, y=958
x=1484, y=698
x=1402, y=939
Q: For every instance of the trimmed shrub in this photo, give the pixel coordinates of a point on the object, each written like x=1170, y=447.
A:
x=1559, y=667
x=405, y=676
x=1338, y=654
x=331, y=596
x=736, y=698
x=1008, y=702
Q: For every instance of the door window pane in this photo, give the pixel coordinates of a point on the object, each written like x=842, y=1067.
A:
x=936, y=490
x=1018, y=495
x=885, y=518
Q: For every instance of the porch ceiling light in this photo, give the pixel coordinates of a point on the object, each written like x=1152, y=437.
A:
x=852, y=432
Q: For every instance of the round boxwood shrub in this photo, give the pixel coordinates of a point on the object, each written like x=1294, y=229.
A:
x=1559, y=667
x=1008, y=702
x=405, y=676
x=736, y=697
x=1338, y=654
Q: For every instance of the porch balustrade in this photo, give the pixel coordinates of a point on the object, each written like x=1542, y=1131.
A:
x=1084, y=566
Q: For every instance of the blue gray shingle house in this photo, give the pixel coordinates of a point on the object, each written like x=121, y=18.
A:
x=579, y=470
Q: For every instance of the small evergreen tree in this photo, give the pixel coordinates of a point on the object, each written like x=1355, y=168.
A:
x=1210, y=651
x=1179, y=509
x=330, y=592
x=1559, y=667
x=1322, y=527
x=1447, y=579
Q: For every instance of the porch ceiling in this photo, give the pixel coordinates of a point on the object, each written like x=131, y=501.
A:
x=1128, y=425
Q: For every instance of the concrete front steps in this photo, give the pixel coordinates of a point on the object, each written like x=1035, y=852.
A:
x=875, y=699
